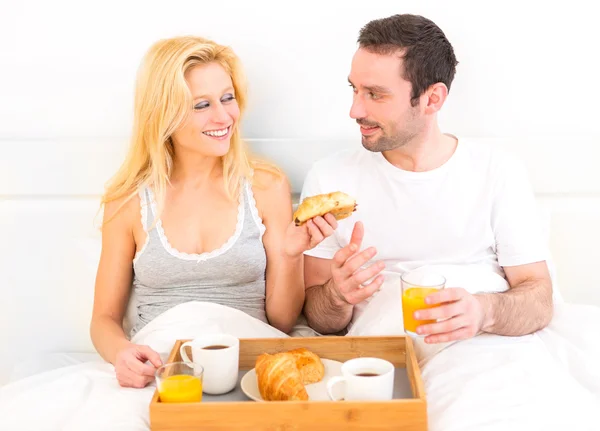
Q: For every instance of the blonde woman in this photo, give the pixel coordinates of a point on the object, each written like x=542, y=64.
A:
x=190, y=215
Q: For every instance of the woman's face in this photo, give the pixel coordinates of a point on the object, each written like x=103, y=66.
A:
x=208, y=129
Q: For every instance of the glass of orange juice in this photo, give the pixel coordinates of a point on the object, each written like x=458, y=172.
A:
x=416, y=285
x=179, y=382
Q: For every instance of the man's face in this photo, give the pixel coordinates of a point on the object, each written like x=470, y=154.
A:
x=381, y=103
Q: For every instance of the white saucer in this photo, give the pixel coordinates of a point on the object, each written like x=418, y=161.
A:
x=316, y=391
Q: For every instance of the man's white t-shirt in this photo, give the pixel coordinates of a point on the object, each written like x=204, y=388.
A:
x=477, y=210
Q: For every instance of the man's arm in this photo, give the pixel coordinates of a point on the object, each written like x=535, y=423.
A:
x=334, y=286
x=525, y=308
x=325, y=312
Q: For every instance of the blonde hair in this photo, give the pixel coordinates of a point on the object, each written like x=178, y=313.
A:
x=163, y=101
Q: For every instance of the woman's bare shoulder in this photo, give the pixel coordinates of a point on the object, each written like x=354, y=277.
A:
x=122, y=212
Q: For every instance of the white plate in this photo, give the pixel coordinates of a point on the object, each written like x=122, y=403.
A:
x=316, y=391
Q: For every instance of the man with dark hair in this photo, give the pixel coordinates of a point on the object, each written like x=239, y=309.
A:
x=425, y=199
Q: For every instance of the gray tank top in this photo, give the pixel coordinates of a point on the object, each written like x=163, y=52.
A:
x=232, y=275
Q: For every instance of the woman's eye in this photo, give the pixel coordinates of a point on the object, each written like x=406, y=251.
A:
x=228, y=98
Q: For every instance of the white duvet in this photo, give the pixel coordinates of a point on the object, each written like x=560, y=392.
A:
x=87, y=397
x=546, y=381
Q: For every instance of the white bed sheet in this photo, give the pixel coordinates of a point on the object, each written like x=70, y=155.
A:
x=44, y=362
x=546, y=381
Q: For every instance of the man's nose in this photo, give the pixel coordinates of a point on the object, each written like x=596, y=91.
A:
x=357, y=110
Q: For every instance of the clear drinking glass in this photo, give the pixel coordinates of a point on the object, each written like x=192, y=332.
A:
x=416, y=285
x=179, y=382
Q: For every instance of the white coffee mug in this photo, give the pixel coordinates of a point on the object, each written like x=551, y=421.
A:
x=219, y=356
x=365, y=379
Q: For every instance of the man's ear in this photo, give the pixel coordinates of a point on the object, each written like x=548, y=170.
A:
x=436, y=95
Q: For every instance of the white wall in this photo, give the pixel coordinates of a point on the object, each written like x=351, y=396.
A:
x=526, y=67
x=526, y=79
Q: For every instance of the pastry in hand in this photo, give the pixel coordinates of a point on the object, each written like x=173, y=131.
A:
x=279, y=378
x=309, y=364
x=339, y=204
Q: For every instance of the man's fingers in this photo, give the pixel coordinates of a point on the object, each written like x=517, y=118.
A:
x=343, y=254
x=368, y=273
x=459, y=334
x=443, y=326
x=356, y=262
x=445, y=311
x=359, y=294
x=445, y=295
x=357, y=234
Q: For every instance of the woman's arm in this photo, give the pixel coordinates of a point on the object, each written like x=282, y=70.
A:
x=113, y=281
x=284, y=275
x=113, y=284
x=285, y=244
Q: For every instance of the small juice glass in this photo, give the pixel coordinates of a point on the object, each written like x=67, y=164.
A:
x=416, y=285
x=179, y=382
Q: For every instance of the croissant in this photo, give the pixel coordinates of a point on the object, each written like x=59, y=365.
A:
x=279, y=378
x=339, y=204
x=309, y=364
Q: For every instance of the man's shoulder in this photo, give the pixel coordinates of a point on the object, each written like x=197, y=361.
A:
x=491, y=154
x=347, y=159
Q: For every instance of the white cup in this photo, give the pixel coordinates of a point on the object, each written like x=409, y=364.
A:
x=219, y=356
x=366, y=379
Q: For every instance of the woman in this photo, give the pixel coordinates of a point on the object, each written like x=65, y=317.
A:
x=189, y=215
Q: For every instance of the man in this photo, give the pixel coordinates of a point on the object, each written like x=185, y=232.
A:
x=424, y=198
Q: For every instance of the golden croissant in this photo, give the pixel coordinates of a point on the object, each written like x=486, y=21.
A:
x=309, y=364
x=279, y=378
x=282, y=376
x=339, y=204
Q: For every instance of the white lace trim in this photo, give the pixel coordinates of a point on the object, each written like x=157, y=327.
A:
x=254, y=210
x=195, y=256
x=144, y=213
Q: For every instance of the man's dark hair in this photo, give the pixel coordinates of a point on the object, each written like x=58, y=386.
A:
x=427, y=55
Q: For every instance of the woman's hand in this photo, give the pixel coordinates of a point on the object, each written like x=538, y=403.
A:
x=131, y=367
x=299, y=239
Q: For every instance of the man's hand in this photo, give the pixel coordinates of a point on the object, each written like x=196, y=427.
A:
x=346, y=277
x=462, y=313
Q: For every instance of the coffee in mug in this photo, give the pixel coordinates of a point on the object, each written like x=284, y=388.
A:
x=219, y=356
x=365, y=379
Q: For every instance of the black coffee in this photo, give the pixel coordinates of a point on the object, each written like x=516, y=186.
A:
x=215, y=347
x=367, y=374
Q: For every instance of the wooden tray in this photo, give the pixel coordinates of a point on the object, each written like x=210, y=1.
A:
x=397, y=414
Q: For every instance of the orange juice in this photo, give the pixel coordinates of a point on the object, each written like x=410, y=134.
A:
x=180, y=388
x=413, y=299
